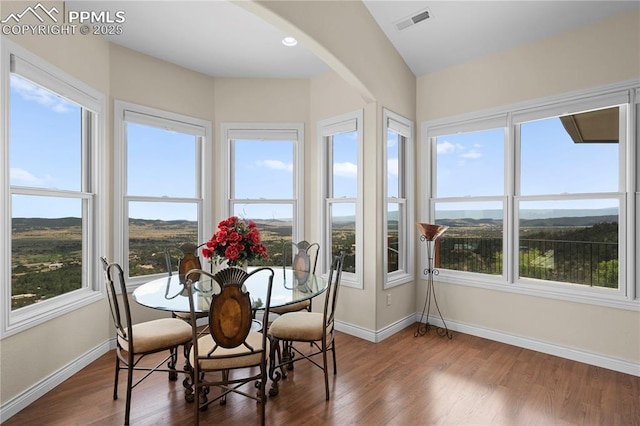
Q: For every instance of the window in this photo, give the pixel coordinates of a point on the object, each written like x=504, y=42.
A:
x=266, y=182
x=161, y=180
x=570, y=197
x=52, y=219
x=399, y=228
x=341, y=145
x=537, y=198
x=469, y=189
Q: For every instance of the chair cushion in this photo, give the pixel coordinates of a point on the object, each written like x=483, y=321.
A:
x=187, y=315
x=294, y=307
x=158, y=335
x=300, y=326
x=206, y=343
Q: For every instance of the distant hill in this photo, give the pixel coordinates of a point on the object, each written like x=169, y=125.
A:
x=23, y=223
x=528, y=213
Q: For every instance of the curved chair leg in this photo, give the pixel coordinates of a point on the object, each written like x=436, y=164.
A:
x=333, y=350
x=129, y=389
x=173, y=361
x=326, y=372
x=225, y=378
x=115, y=381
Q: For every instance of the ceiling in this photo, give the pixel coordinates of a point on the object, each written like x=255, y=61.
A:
x=222, y=39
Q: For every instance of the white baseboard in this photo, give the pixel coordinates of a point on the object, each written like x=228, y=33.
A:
x=598, y=360
x=14, y=405
x=590, y=358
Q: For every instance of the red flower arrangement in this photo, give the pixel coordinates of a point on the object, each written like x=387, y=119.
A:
x=236, y=241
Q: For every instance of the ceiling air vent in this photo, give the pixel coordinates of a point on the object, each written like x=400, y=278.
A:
x=409, y=21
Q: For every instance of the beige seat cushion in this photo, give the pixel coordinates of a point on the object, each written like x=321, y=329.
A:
x=294, y=307
x=300, y=326
x=206, y=343
x=187, y=315
x=157, y=335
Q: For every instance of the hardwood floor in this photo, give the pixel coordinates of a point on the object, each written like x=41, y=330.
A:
x=403, y=380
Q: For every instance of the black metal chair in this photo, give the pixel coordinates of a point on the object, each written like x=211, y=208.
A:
x=316, y=328
x=135, y=341
x=230, y=343
x=304, y=263
x=188, y=260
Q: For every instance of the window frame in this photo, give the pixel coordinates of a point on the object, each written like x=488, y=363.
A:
x=626, y=296
x=125, y=112
x=265, y=131
x=92, y=190
x=326, y=129
x=404, y=128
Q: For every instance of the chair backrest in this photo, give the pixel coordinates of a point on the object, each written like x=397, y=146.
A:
x=120, y=313
x=189, y=260
x=333, y=288
x=231, y=311
x=305, y=259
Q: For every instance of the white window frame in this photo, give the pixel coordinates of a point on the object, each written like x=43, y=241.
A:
x=351, y=121
x=625, y=95
x=92, y=102
x=125, y=112
x=294, y=132
x=403, y=127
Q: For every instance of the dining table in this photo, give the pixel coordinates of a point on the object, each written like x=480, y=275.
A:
x=168, y=293
x=290, y=286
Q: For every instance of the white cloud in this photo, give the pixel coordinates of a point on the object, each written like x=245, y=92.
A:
x=23, y=177
x=473, y=154
x=447, y=147
x=392, y=166
x=275, y=165
x=31, y=92
x=349, y=170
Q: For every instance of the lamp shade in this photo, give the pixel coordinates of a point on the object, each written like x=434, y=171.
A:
x=431, y=232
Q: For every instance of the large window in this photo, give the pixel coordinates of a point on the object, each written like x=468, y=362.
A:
x=537, y=197
x=266, y=183
x=399, y=229
x=51, y=145
x=570, y=197
x=469, y=188
x=341, y=145
x=161, y=177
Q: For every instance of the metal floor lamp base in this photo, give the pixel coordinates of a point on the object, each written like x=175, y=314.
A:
x=423, y=327
x=430, y=272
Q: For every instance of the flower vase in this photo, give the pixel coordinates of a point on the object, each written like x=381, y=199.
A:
x=217, y=266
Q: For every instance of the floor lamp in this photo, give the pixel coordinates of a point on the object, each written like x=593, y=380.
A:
x=430, y=233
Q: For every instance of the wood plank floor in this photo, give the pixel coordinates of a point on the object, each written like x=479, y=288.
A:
x=403, y=380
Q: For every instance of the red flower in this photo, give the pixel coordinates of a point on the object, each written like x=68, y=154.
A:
x=236, y=241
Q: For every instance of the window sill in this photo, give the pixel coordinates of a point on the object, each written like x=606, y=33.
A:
x=31, y=316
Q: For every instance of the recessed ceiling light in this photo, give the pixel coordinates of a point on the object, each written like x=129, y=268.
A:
x=289, y=41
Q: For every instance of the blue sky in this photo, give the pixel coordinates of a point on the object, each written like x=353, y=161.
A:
x=551, y=164
x=162, y=163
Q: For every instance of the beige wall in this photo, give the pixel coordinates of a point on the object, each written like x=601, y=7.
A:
x=600, y=54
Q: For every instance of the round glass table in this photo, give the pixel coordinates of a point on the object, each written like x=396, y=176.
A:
x=169, y=294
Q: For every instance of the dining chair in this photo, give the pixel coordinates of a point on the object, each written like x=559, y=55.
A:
x=316, y=328
x=304, y=262
x=135, y=341
x=230, y=344
x=189, y=260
